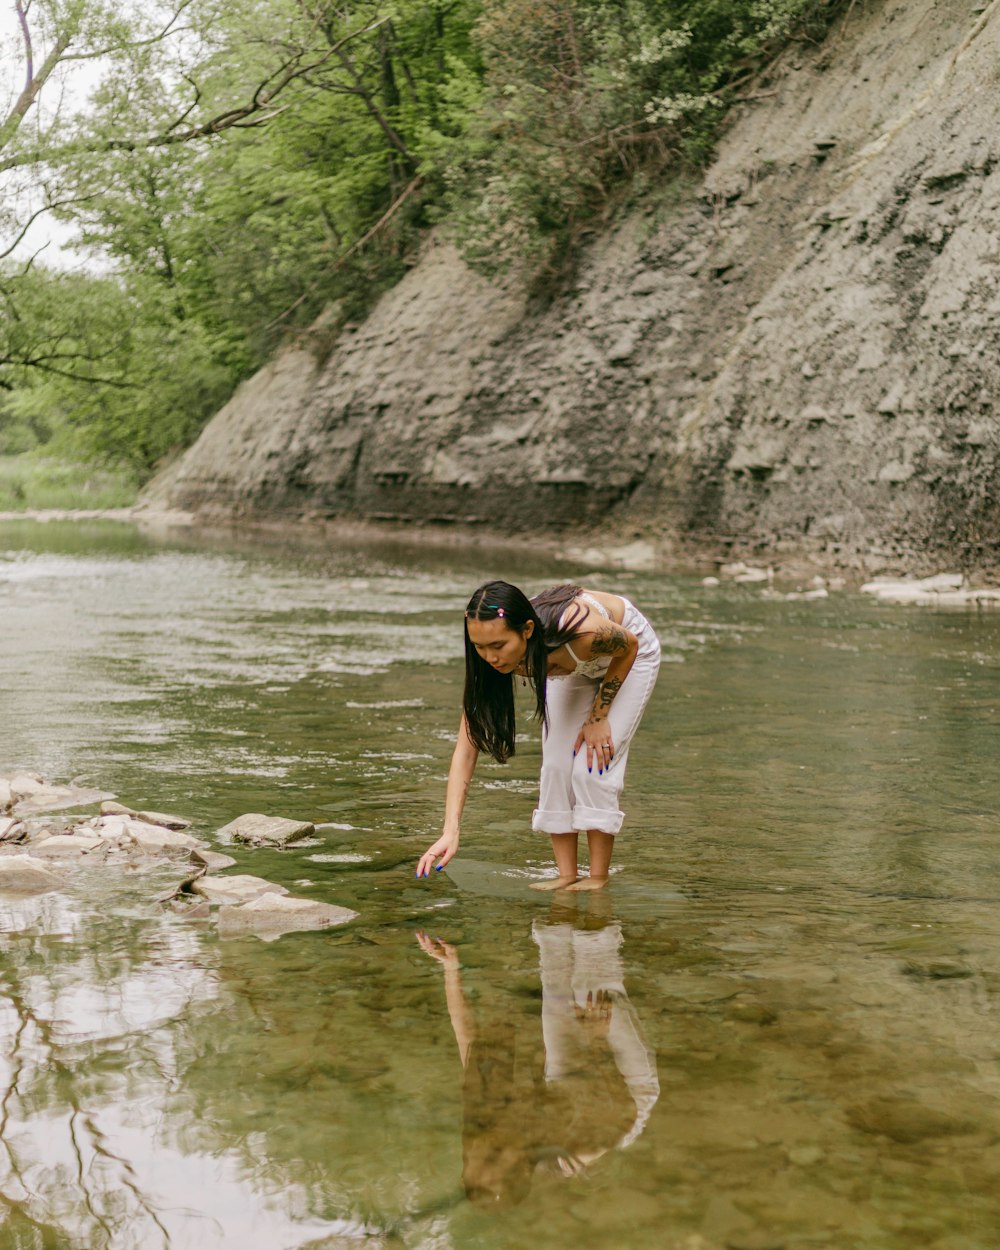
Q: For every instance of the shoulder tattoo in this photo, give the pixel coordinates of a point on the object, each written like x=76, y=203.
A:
x=610, y=639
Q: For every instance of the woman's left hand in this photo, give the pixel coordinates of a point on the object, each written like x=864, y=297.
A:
x=596, y=735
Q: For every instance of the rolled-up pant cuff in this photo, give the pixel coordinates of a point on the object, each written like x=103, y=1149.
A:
x=552, y=822
x=579, y=819
x=597, y=818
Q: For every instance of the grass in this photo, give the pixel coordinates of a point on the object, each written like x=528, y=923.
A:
x=32, y=482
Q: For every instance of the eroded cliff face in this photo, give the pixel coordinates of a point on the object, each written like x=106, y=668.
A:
x=800, y=352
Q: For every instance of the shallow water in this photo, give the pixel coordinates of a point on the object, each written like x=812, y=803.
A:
x=790, y=1037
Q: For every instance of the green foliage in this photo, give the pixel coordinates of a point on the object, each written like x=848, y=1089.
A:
x=33, y=482
x=242, y=169
x=582, y=94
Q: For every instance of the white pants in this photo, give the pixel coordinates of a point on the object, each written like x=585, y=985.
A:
x=575, y=963
x=570, y=797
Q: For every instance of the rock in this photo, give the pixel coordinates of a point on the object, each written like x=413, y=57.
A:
x=32, y=797
x=63, y=845
x=258, y=830
x=710, y=581
x=110, y=828
x=23, y=874
x=11, y=829
x=806, y=1156
x=164, y=819
x=148, y=818
x=240, y=888
x=271, y=915
x=942, y=581
x=752, y=575
x=896, y=471
x=647, y=283
x=110, y=808
x=24, y=784
x=906, y=1120
x=6, y=795
x=154, y=839
x=212, y=860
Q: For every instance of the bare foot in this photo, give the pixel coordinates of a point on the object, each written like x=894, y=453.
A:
x=554, y=883
x=588, y=883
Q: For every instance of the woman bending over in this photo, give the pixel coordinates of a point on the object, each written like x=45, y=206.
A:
x=591, y=659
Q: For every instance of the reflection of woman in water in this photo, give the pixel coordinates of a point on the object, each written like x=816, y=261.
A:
x=591, y=1092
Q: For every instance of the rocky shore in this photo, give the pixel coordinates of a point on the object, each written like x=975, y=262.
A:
x=41, y=851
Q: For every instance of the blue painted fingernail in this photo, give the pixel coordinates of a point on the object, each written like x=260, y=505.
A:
x=439, y=867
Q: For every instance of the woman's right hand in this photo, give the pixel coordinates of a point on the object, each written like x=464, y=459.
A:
x=444, y=849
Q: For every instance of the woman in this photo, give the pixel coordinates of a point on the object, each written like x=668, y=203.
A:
x=604, y=657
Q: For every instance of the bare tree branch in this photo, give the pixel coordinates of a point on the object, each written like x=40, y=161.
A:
x=254, y=113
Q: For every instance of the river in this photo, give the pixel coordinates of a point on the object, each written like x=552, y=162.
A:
x=776, y=1028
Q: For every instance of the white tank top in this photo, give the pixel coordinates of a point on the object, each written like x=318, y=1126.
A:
x=589, y=668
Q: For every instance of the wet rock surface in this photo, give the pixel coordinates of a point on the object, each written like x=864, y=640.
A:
x=271, y=915
x=24, y=874
x=38, y=853
x=239, y=888
x=257, y=830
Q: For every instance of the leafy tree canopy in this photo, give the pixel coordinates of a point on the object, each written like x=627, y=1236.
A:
x=237, y=169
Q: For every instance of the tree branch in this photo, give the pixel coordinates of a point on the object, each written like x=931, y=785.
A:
x=255, y=113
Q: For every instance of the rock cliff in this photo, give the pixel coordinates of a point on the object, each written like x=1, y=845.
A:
x=800, y=352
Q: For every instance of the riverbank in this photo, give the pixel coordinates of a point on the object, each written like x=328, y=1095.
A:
x=793, y=566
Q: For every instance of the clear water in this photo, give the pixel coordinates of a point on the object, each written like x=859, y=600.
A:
x=791, y=1036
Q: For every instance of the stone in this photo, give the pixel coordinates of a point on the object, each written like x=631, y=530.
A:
x=907, y=1121
x=164, y=819
x=23, y=874
x=11, y=829
x=752, y=575
x=258, y=830
x=271, y=915
x=710, y=581
x=110, y=808
x=240, y=888
x=942, y=581
x=110, y=828
x=806, y=1156
x=149, y=818
x=24, y=784
x=64, y=845
x=896, y=472
x=154, y=839
x=32, y=797
x=212, y=860
x=6, y=796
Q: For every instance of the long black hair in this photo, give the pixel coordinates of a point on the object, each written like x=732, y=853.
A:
x=489, y=695
x=551, y=605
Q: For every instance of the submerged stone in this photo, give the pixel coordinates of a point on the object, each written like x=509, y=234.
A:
x=271, y=915
x=32, y=796
x=23, y=874
x=258, y=830
x=240, y=888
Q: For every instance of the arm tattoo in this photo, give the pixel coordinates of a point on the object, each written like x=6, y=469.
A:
x=606, y=694
x=609, y=640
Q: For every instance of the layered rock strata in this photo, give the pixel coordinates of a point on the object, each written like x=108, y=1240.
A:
x=800, y=351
